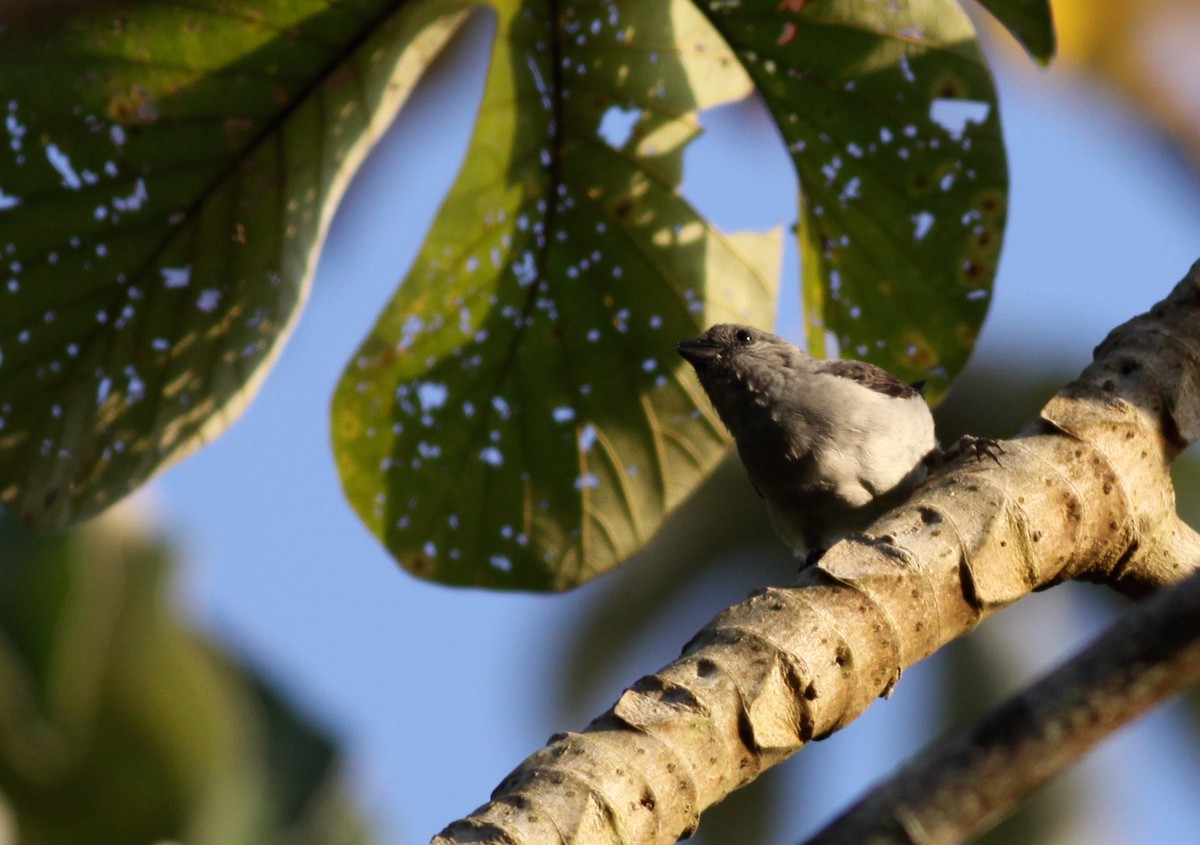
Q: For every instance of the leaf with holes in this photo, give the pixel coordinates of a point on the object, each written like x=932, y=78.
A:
x=168, y=174
x=890, y=116
x=518, y=417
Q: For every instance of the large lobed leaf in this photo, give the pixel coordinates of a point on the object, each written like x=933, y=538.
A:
x=891, y=118
x=166, y=179
x=518, y=416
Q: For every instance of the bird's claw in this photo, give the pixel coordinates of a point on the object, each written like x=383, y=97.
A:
x=978, y=448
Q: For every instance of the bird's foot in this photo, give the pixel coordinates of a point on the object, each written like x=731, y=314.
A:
x=970, y=446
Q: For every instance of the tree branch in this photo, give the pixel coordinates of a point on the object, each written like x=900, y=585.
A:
x=1083, y=491
x=968, y=782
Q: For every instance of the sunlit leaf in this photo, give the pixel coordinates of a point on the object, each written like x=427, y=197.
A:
x=518, y=417
x=890, y=115
x=1030, y=23
x=167, y=174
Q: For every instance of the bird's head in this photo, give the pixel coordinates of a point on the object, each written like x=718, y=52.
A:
x=734, y=360
x=732, y=347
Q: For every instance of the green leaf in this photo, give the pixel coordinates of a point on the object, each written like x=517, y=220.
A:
x=518, y=417
x=891, y=118
x=1030, y=22
x=167, y=177
x=119, y=725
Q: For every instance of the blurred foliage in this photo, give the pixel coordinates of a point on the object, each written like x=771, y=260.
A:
x=1146, y=51
x=968, y=690
x=121, y=726
x=1185, y=472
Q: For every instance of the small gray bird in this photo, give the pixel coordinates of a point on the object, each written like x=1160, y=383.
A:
x=830, y=445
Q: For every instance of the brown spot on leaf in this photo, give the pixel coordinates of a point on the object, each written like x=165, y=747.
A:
x=973, y=272
x=421, y=565
x=990, y=202
x=134, y=106
x=340, y=77
x=235, y=129
x=950, y=88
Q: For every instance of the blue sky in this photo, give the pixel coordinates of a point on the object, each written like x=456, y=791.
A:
x=437, y=693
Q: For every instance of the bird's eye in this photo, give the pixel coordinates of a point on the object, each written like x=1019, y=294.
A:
x=743, y=336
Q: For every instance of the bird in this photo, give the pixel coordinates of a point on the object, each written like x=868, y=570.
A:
x=828, y=444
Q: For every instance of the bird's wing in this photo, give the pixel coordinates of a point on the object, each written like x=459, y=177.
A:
x=870, y=376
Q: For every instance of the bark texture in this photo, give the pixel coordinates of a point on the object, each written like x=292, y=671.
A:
x=961, y=786
x=1083, y=491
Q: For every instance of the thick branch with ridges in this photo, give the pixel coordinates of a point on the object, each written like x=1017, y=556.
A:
x=963, y=785
x=1083, y=491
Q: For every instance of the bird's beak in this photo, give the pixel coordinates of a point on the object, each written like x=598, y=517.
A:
x=698, y=351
